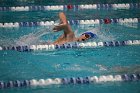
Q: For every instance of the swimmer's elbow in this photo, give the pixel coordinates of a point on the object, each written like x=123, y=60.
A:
x=63, y=24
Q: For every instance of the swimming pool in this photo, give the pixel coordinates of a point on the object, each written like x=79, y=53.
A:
x=72, y=62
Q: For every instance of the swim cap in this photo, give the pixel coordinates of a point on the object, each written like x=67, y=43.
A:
x=92, y=35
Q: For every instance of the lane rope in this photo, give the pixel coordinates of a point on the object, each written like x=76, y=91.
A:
x=72, y=22
x=71, y=80
x=70, y=46
x=72, y=7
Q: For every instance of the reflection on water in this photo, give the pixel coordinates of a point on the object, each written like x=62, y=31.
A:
x=126, y=69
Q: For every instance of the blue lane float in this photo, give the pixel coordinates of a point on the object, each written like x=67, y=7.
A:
x=72, y=7
x=70, y=46
x=71, y=80
x=72, y=22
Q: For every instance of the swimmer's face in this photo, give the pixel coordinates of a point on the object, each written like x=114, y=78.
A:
x=83, y=37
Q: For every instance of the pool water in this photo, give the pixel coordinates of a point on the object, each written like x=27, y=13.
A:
x=16, y=65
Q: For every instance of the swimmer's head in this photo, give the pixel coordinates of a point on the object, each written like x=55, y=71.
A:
x=86, y=36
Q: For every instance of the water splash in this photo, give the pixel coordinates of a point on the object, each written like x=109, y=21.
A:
x=34, y=37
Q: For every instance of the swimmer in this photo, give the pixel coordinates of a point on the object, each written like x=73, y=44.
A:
x=69, y=35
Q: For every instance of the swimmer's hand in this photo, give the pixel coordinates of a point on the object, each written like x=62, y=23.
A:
x=58, y=27
x=55, y=29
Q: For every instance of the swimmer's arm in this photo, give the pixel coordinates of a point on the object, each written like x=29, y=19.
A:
x=63, y=24
x=58, y=40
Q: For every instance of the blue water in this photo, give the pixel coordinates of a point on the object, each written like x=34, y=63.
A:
x=71, y=62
